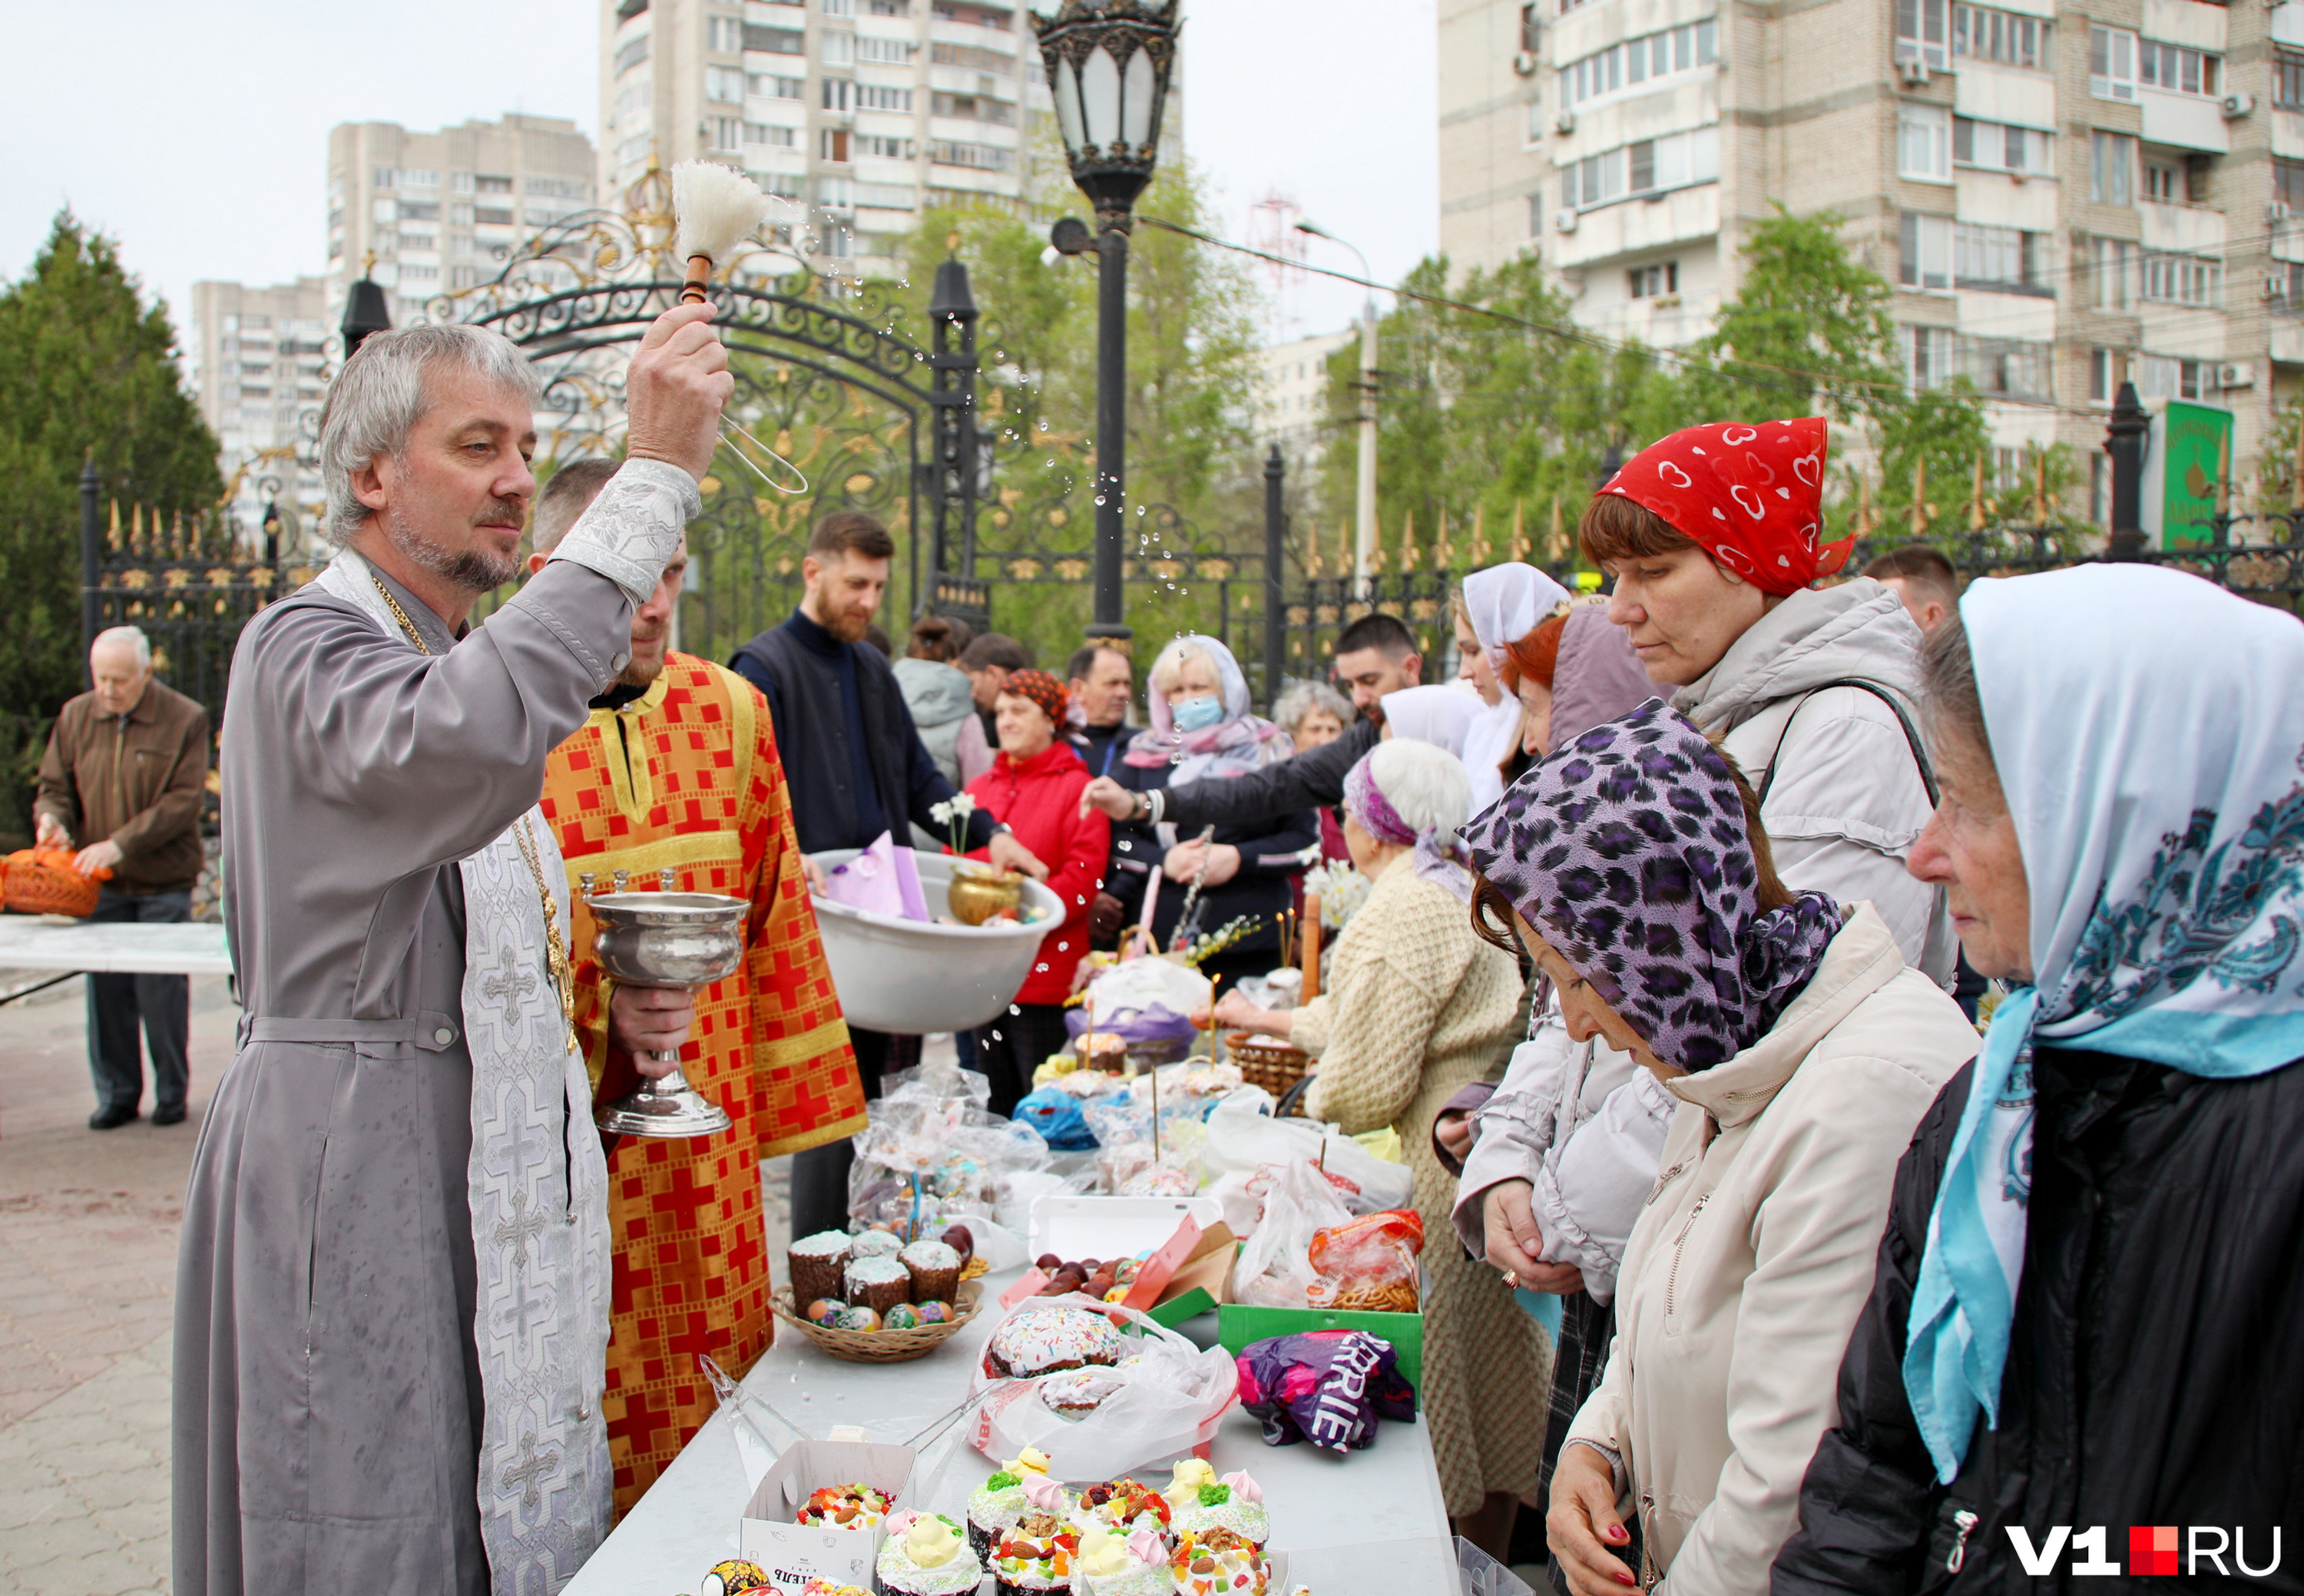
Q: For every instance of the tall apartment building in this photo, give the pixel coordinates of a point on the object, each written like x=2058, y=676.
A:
x=1293, y=393
x=255, y=358
x=442, y=210
x=858, y=112
x=2064, y=196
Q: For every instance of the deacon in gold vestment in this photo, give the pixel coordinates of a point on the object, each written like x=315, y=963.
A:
x=677, y=768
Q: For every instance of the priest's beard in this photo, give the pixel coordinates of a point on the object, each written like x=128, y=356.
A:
x=473, y=569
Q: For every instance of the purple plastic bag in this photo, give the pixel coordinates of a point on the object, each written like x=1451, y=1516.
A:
x=882, y=879
x=1149, y=1026
x=1325, y=1386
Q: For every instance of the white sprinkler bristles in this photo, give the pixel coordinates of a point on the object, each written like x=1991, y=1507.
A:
x=715, y=209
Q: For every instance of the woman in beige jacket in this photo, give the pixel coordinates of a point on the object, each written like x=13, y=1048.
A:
x=1417, y=1006
x=1802, y=1051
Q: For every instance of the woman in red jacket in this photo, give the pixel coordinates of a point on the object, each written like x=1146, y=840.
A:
x=1034, y=787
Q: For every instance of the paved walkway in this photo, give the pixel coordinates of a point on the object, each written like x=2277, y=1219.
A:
x=87, y=1266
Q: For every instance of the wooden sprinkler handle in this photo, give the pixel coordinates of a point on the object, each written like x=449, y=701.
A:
x=699, y=273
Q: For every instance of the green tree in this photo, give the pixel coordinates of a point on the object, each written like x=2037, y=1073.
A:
x=1191, y=380
x=86, y=362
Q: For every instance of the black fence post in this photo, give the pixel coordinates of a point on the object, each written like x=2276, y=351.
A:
x=92, y=560
x=1276, y=572
x=2124, y=440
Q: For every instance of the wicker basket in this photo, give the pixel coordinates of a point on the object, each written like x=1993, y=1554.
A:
x=1265, y=1062
x=33, y=886
x=881, y=1347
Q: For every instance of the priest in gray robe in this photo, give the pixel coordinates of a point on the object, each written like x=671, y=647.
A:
x=392, y=1305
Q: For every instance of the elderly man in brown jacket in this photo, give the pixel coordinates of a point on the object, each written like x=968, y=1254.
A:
x=122, y=781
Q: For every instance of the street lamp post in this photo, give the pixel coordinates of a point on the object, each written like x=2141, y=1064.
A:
x=1108, y=62
x=1364, y=532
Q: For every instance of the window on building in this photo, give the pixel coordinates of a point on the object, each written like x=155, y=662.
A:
x=727, y=131
x=1924, y=141
x=1650, y=166
x=2288, y=185
x=839, y=50
x=888, y=52
x=2287, y=81
x=881, y=146
x=774, y=41
x=418, y=241
x=769, y=86
x=2111, y=262
x=1995, y=257
x=2196, y=179
x=381, y=177
x=493, y=215
x=2112, y=64
x=1536, y=214
x=2161, y=182
x=2001, y=146
x=2182, y=279
x=635, y=100
x=2162, y=376
x=974, y=107
x=631, y=53
x=833, y=144
x=840, y=8
x=1636, y=61
x=2005, y=37
x=879, y=96
x=888, y=196
x=980, y=16
x=2112, y=168
x=982, y=157
x=1654, y=282
x=975, y=58
x=1924, y=254
x=769, y=133
x=839, y=94
x=723, y=33
x=493, y=185
x=1927, y=355
x=1922, y=34
x=723, y=83
x=2176, y=70
x=460, y=183
x=410, y=211
x=887, y=8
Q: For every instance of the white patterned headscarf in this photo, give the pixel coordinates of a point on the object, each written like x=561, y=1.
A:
x=1505, y=603
x=2158, y=799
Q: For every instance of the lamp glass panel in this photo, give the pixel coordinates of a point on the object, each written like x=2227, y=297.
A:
x=1100, y=96
x=1137, y=102
x=1067, y=98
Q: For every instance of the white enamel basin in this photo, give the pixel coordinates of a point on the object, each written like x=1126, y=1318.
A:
x=909, y=978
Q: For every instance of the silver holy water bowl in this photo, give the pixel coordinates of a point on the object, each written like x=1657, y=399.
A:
x=666, y=938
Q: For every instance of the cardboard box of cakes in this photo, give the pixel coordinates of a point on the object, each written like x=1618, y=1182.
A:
x=842, y=1546
x=1087, y=1243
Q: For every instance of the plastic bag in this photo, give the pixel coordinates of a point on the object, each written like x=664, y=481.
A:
x=1168, y=1396
x=1369, y=1264
x=882, y=879
x=932, y=1156
x=1240, y=1140
x=1325, y=1386
x=1055, y=1116
x=1276, y=1266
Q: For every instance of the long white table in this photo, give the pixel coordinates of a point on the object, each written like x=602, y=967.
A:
x=30, y=942
x=1371, y=1522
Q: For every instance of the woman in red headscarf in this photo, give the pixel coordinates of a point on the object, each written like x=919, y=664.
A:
x=1714, y=537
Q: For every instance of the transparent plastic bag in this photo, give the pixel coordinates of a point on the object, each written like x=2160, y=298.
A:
x=1276, y=1266
x=1369, y=1264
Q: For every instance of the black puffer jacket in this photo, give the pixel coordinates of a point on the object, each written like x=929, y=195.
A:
x=2153, y=1375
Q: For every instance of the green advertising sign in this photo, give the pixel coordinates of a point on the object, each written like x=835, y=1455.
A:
x=2194, y=448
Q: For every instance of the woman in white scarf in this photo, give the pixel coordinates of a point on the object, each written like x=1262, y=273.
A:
x=1497, y=606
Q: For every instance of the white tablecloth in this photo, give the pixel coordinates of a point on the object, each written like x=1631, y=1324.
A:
x=1371, y=1522
x=29, y=942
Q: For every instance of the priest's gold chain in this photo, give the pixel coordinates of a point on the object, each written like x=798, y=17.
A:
x=563, y=973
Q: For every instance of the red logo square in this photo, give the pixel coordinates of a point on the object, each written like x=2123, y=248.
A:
x=2152, y=1548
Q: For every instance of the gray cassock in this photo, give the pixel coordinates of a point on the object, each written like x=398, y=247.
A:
x=391, y=1297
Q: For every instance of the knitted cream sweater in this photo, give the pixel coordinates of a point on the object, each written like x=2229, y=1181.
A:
x=1415, y=1007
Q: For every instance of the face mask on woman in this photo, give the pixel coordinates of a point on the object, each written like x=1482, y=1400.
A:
x=1198, y=714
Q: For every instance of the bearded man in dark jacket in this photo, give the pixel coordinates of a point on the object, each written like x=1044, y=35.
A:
x=855, y=767
x=2079, y=1356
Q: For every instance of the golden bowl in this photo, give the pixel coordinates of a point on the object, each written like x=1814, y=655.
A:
x=978, y=892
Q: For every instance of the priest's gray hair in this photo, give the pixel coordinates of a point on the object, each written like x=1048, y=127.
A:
x=383, y=392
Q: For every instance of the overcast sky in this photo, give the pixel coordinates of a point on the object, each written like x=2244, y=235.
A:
x=197, y=135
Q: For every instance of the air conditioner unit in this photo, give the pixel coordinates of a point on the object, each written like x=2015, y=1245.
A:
x=1563, y=221
x=2276, y=286
x=2240, y=374
x=1563, y=121
x=2239, y=104
x=1525, y=63
x=1912, y=73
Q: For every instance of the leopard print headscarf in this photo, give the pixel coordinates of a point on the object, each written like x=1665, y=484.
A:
x=1627, y=850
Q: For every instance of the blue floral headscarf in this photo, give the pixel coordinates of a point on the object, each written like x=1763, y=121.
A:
x=1627, y=850
x=2156, y=798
